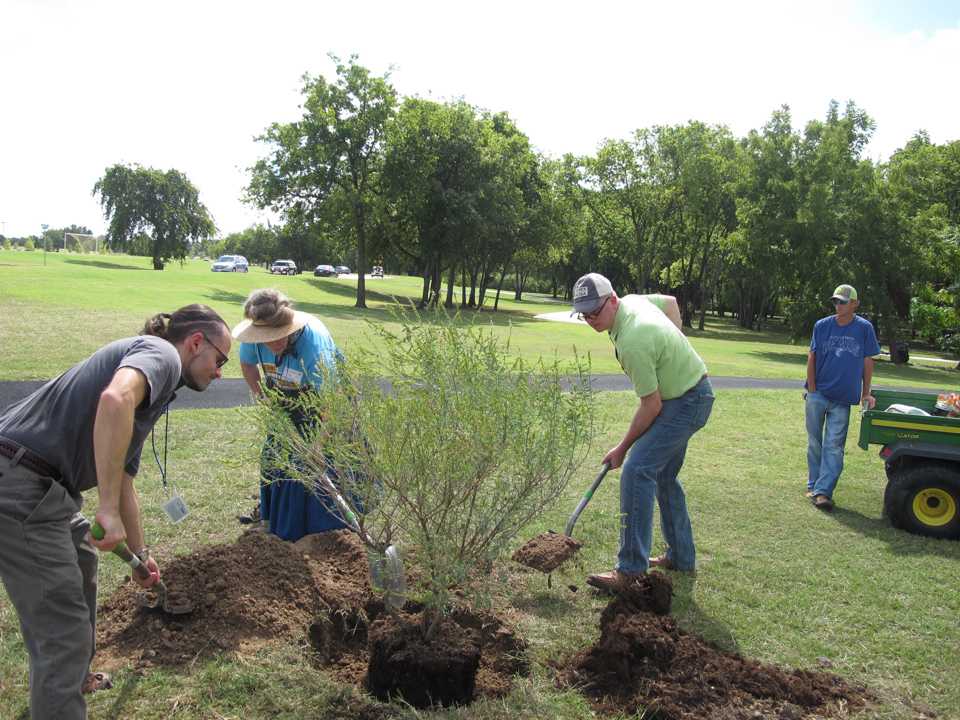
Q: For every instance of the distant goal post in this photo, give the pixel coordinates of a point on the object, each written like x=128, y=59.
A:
x=81, y=243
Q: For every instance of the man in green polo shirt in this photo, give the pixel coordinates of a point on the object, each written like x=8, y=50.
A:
x=675, y=401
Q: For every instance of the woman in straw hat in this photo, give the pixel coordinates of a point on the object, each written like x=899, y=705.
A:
x=291, y=349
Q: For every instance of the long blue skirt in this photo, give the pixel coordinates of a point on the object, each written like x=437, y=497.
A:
x=289, y=508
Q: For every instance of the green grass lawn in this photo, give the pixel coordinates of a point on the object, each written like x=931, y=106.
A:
x=777, y=580
x=54, y=315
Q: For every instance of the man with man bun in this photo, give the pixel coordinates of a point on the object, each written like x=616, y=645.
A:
x=81, y=430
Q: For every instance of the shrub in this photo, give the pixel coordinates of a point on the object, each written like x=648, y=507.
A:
x=463, y=450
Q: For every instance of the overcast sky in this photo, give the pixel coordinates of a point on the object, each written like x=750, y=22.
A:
x=188, y=84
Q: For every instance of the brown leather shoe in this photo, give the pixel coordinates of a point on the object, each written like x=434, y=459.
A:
x=822, y=502
x=662, y=561
x=96, y=681
x=611, y=582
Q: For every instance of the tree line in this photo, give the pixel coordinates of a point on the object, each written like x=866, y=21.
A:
x=755, y=226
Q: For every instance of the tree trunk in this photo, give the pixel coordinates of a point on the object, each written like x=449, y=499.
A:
x=359, y=219
x=496, y=301
x=435, y=283
x=451, y=278
x=425, y=294
x=473, y=288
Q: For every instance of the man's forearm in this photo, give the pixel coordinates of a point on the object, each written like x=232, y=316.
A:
x=642, y=420
x=130, y=514
x=867, y=377
x=811, y=372
x=112, y=432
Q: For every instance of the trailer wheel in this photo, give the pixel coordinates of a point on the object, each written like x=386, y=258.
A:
x=925, y=499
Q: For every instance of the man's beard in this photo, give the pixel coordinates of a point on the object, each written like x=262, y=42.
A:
x=190, y=380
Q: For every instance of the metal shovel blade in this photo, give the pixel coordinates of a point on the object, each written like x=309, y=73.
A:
x=159, y=598
x=388, y=576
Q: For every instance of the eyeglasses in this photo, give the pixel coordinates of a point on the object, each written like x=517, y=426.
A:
x=223, y=359
x=595, y=313
x=838, y=301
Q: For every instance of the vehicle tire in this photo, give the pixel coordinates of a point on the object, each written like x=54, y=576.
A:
x=925, y=499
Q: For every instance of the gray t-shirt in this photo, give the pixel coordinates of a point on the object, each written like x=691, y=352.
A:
x=56, y=421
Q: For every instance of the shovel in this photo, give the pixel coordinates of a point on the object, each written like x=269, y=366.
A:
x=386, y=565
x=171, y=603
x=547, y=551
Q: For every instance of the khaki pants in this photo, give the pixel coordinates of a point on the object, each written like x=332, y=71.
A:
x=50, y=573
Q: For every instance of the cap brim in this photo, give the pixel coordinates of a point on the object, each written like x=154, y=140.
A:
x=587, y=306
x=246, y=331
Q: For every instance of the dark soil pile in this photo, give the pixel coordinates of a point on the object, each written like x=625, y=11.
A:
x=261, y=588
x=643, y=662
x=547, y=551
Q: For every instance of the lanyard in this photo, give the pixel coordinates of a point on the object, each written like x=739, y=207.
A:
x=153, y=444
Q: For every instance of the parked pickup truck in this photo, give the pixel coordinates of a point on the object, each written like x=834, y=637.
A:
x=922, y=457
x=283, y=267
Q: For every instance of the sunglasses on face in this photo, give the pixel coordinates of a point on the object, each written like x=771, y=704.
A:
x=595, y=313
x=838, y=301
x=222, y=359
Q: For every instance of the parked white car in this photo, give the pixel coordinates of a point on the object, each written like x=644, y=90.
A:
x=230, y=263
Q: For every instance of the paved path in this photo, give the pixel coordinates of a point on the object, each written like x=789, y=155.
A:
x=232, y=392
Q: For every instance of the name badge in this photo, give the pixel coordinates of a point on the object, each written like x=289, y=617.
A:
x=292, y=376
x=176, y=508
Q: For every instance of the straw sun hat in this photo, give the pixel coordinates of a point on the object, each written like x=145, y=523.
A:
x=269, y=318
x=250, y=331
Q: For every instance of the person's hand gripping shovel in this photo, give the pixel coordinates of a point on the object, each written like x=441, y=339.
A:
x=173, y=603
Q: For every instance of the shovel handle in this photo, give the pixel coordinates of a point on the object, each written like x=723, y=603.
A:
x=123, y=552
x=349, y=515
x=585, y=499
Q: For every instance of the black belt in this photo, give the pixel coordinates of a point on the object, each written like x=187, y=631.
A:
x=30, y=460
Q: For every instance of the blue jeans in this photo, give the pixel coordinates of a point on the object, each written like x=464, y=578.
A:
x=650, y=471
x=827, y=424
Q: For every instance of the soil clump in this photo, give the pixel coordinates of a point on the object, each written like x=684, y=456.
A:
x=644, y=663
x=315, y=591
x=547, y=551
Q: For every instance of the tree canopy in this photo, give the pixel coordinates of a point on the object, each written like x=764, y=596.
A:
x=756, y=226
x=323, y=168
x=161, y=207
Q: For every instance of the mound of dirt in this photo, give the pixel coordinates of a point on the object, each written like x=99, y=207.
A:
x=644, y=662
x=547, y=551
x=261, y=588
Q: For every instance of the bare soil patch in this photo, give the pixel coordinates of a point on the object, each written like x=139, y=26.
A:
x=644, y=662
x=259, y=589
x=317, y=592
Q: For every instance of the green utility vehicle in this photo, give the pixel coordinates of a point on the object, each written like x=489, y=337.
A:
x=922, y=456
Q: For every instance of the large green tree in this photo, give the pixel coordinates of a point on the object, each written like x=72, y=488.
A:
x=163, y=206
x=324, y=167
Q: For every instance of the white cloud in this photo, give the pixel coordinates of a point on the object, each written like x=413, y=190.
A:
x=188, y=85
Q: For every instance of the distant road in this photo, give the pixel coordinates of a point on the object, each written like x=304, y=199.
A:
x=232, y=392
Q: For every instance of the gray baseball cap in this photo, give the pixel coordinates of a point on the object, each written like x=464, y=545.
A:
x=589, y=292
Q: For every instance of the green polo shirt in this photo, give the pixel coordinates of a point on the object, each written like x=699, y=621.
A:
x=651, y=349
